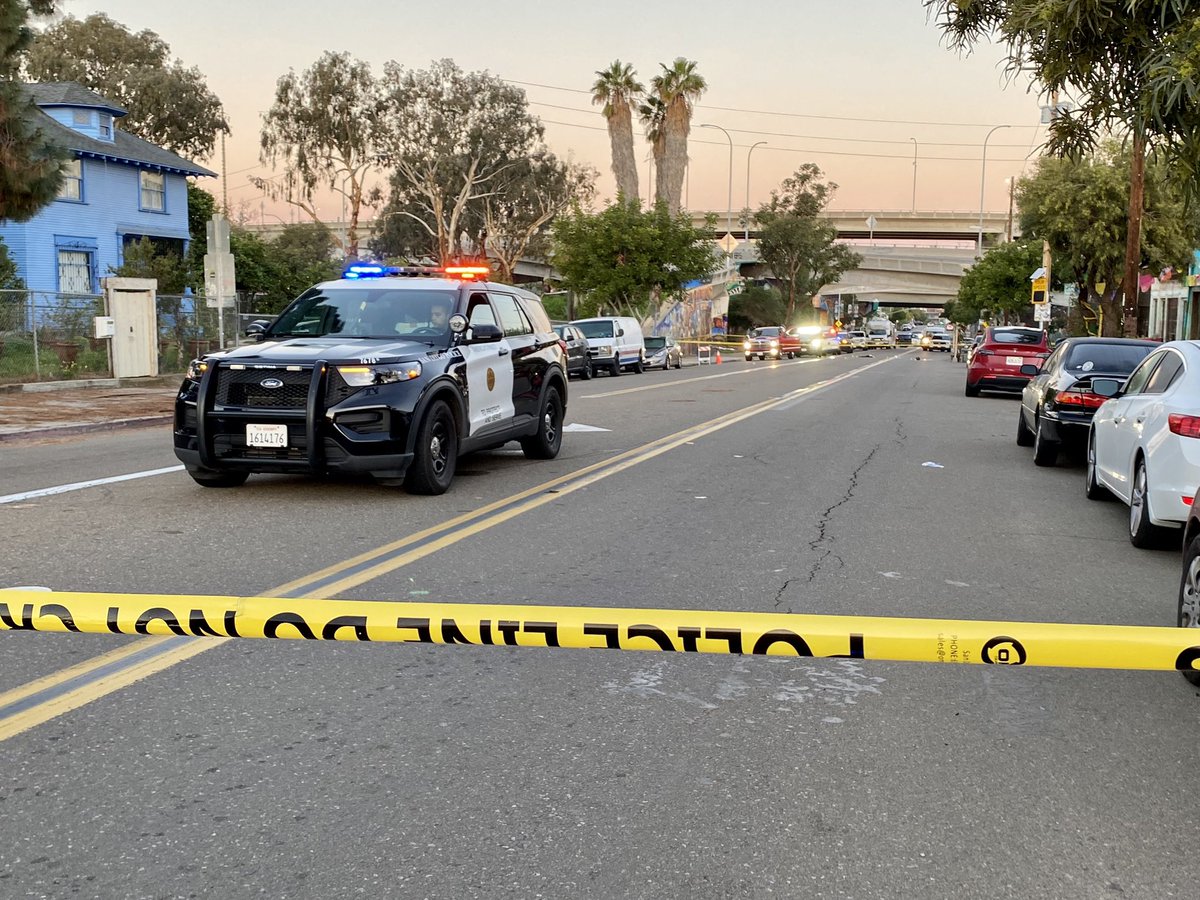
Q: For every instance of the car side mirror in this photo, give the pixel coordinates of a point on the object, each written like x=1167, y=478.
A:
x=485, y=333
x=1107, y=387
x=620, y=332
x=1030, y=369
x=257, y=330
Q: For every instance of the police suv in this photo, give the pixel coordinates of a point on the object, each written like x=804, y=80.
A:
x=389, y=371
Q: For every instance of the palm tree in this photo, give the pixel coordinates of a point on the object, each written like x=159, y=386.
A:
x=652, y=113
x=618, y=89
x=678, y=86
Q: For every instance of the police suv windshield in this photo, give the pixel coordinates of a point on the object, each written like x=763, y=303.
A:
x=368, y=312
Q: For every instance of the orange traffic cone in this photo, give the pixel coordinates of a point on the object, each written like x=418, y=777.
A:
x=718, y=362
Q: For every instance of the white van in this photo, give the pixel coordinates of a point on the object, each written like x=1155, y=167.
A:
x=614, y=343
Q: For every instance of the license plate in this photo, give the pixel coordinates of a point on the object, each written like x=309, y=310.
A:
x=266, y=436
x=1017, y=361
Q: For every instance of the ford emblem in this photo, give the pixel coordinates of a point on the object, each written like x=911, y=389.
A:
x=271, y=383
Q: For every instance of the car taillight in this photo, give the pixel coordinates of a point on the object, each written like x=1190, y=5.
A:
x=984, y=352
x=1184, y=426
x=1080, y=399
x=563, y=344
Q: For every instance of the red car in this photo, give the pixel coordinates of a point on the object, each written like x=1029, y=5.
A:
x=996, y=363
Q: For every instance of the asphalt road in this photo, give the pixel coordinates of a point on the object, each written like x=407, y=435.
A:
x=295, y=769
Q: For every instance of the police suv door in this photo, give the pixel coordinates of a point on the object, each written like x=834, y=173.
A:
x=489, y=373
x=518, y=331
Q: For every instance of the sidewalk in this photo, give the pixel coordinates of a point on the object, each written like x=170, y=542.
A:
x=53, y=409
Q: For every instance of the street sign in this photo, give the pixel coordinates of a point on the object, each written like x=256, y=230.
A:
x=1041, y=312
x=872, y=222
x=838, y=325
x=728, y=243
x=220, y=280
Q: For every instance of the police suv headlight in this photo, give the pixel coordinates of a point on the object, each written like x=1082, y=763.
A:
x=196, y=369
x=774, y=343
x=745, y=345
x=365, y=376
x=816, y=344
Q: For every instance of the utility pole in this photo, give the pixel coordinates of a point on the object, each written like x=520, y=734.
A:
x=1012, y=183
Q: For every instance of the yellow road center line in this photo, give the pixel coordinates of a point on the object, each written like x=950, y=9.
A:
x=107, y=684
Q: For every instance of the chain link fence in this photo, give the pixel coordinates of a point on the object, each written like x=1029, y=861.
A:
x=47, y=336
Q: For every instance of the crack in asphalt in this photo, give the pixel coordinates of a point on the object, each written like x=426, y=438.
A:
x=816, y=545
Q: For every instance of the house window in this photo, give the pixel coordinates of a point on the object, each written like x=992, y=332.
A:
x=105, y=125
x=75, y=271
x=81, y=116
x=72, y=185
x=154, y=192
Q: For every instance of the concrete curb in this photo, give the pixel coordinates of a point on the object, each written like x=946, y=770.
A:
x=86, y=428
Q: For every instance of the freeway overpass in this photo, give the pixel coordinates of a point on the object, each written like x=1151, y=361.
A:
x=890, y=225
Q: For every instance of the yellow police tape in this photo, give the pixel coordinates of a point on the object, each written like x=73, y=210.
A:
x=691, y=631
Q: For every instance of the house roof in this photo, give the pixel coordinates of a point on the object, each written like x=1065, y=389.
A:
x=69, y=93
x=124, y=148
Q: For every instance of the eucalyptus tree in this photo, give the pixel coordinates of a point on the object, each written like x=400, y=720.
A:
x=449, y=138
x=678, y=87
x=653, y=113
x=1112, y=56
x=324, y=129
x=619, y=90
x=167, y=103
x=517, y=216
x=30, y=164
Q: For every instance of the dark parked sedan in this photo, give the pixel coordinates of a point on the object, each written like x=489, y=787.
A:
x=1058, y=404
x=576, y=346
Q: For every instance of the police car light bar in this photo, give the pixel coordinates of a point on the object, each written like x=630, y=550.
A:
x=467, y=273
x=363, y=270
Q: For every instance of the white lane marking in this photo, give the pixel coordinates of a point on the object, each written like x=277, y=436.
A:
x=80, y=485
x=676, y=382
x=576, y=426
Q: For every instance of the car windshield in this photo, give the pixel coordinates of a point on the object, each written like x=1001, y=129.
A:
x=1109, y=358
x=655, y=343
x=367, y=312
x=770, y=331
x=596, y=329
x=1026, y=336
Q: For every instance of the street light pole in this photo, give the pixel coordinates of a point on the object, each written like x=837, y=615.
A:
x=914, y=200
x=758, y=144
x=982, y=173
x=729, y=220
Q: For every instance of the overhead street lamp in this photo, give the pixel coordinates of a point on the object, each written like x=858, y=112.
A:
x=751, y=150
x=729, y=221
x=982, y=173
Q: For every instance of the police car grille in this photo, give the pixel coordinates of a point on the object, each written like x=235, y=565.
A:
x=243, y=387
x=336, y=389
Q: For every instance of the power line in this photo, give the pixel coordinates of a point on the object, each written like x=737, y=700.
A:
x=769, y=149
x=767, y=112
x=806, y=137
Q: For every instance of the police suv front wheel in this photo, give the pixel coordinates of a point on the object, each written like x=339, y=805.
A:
x=436, y=453
x=546, y=442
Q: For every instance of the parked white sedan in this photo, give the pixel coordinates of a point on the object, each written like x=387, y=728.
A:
x=1144, y=444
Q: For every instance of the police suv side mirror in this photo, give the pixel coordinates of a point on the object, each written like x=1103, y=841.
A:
x=484, y=333
x=257, y=329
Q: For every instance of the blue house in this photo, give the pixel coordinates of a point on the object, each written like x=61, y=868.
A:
x=117, y=189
